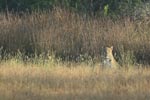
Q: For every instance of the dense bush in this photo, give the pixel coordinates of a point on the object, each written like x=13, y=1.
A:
x=23, y=5
x=100, y=7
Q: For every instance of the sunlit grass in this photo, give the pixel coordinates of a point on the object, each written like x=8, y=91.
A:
x=20, y=81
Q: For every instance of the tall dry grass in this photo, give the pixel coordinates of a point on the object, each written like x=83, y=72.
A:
x=70, y=35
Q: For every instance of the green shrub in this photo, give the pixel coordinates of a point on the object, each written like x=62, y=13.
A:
x=114, y=7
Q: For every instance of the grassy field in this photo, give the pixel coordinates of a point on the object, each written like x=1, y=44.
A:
x=19, y=81
x=54, y=55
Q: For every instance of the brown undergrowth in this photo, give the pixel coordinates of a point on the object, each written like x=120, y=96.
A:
x=69, y=35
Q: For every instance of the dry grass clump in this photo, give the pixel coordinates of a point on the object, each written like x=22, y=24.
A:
x=69, y=35
x=77, y=82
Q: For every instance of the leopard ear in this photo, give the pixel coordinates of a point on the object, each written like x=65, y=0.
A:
x=111, y=47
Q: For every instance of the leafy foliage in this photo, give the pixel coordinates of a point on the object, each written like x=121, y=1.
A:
x=119, y=7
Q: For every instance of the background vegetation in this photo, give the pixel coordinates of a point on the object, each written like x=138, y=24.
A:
x=75, y=30
x=100, y=7
x=69, y=36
